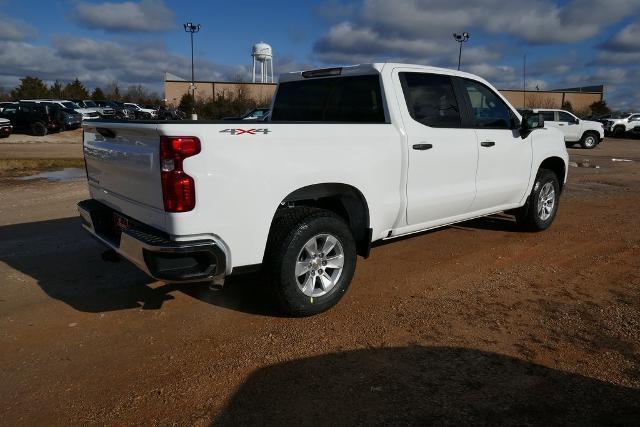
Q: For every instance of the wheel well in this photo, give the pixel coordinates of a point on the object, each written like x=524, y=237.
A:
x=557, y=166
x=342, y=199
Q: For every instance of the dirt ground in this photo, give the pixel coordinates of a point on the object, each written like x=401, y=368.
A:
x=475, y=323
x=23, y=155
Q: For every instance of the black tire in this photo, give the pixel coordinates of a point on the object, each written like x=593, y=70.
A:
x=589, y=140
x=291, y=229
x=530, y=217
x=618, y=131
x=38, y=129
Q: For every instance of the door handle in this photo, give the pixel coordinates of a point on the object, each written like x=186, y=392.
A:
x=560, y=124
x=422, y=146
x=487, y=143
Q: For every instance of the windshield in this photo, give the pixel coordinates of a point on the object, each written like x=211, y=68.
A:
x=69, y=104
x=90, y=104
x=134, y=106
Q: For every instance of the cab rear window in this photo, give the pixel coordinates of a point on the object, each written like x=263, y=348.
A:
x=353, y=99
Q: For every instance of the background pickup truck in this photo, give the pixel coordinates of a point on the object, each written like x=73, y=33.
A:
x=351, y=155
x=586, y=132
x=620, y=124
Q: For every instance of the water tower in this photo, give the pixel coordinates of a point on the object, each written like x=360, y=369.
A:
x=263, y=55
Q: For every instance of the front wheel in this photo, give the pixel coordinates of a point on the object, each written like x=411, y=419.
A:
x=541, y=208
x=311, y=259
x=589, y=140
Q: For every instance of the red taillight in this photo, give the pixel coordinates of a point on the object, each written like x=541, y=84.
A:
x=178, y=188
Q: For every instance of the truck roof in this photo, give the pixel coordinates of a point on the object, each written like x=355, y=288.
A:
x=363, y=69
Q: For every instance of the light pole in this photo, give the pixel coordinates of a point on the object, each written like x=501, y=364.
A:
x=192, y=28
x=461, y=38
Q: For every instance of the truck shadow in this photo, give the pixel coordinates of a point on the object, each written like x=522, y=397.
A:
x=422, y=386
x=67, y=264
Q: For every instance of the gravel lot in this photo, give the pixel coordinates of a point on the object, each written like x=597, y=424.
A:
x=475, y=323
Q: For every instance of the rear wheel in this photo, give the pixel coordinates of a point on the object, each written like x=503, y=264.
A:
x=311, y=257
x=541, y=208
x=38, y=129
x=589, y=140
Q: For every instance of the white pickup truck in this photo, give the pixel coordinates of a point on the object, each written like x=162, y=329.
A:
x=588, y=133
x=351, y=156
x=618, y=125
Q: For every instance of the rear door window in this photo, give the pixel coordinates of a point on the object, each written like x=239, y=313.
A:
x=353, y=99
x=548, y=116
x=565, y=117
x=430, y=99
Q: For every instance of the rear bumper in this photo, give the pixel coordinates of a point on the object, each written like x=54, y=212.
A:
x=152, y=251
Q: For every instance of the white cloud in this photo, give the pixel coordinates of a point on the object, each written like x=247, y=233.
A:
x=144, y=16
x=15, y=30
x=99, y=63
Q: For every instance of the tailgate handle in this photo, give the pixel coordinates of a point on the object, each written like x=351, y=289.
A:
x=107, y=133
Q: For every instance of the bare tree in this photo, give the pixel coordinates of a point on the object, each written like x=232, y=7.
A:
x=536, y=100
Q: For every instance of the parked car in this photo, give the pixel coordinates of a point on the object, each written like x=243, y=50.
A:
x=5, y=128
x=256, y=114
x=141, y=112
x=68, y=118
x=620, y=124
x=35, y=118
x=106, y=112
x=351, y=156
x=121, y=111
x=167, y=113
x=6, y=104
x=586, y=132
x=87, y=113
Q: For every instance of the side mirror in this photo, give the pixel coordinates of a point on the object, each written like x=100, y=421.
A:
x=575, y=121
x=532, y=121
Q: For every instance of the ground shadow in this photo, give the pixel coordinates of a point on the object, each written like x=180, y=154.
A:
x=67, y=264
x=422, y=385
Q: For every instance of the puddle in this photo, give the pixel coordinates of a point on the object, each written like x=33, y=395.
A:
x=584, y=164
x=587, y=163
x=66, y=174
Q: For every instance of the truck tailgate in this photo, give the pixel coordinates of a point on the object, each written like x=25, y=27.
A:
x=123, y=161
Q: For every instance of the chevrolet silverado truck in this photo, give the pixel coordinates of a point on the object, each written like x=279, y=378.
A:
x=351, y=156
x=618, y=125
x=586, y=132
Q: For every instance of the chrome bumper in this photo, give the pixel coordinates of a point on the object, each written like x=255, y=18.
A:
x=154, y=253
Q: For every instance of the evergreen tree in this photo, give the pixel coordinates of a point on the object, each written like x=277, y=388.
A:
x=56, y=90
x=600, y=108
x=186, y=103
x=97, y=94
x=30, y=88
x=76, y=90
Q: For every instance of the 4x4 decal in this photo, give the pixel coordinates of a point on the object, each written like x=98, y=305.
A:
x=245, y=131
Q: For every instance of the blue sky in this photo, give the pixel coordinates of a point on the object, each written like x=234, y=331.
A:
x=568, y=43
